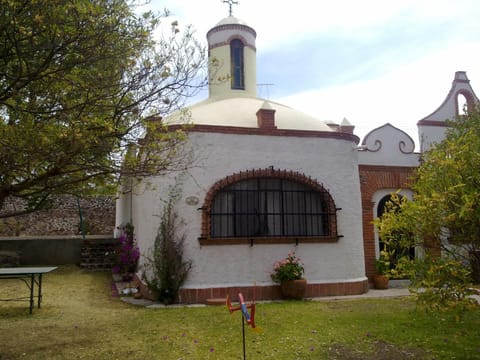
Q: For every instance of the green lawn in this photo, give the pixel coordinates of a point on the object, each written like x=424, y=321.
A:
x=80, y=319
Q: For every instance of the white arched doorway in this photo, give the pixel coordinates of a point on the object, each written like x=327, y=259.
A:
x=380, y=200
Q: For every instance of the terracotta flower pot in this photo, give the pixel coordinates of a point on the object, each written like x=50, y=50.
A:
x=294, y=289
x=380, y=282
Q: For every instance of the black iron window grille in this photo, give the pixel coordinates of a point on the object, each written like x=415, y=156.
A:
x=271, y=207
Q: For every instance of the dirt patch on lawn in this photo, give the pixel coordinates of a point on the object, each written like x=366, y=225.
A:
x=382, y=351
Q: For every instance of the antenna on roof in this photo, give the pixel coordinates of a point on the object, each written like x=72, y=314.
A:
x=265, y=86
x=230, y=3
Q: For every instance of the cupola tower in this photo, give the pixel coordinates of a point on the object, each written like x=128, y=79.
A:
x=232, y=59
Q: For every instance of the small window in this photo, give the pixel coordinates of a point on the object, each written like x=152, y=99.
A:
x=271, y=207
x=462, y=105
x=236, y=54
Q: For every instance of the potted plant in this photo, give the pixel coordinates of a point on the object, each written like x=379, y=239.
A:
x=289, y=273
x=382, y=265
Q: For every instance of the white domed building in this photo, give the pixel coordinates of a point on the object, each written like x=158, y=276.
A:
x=268, y=180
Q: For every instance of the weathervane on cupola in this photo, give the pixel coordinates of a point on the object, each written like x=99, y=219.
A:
x=230, y=4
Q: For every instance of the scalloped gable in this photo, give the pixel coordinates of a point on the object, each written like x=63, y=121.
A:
x=388, y=146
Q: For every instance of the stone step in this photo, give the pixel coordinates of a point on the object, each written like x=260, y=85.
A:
x=96, y=266
x=96, y=261
x=216, y=301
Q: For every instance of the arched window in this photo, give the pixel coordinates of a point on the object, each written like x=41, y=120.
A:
x=271, y=209
x=236, y=55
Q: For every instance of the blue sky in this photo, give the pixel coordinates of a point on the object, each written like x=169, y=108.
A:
x=371, y=61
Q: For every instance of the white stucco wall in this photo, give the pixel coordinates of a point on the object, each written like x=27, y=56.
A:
x=123, y=206
x=331, y=162
x=430, y=135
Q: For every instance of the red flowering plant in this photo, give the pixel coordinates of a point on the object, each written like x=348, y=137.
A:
x=127, y=252
x=289, y=268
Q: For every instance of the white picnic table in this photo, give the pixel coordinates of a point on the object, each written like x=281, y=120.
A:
x=31, y=276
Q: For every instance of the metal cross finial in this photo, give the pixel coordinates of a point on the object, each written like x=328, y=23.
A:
x=230, y=3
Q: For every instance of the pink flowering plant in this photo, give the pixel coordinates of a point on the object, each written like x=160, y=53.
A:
x=289, y=268
x=127, y=252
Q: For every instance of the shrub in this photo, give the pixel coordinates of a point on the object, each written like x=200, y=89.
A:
x=441, y=284
x=127, y=252
x=165, y=270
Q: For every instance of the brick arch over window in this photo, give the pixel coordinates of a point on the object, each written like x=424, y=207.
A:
x=307, y=185
x=469, y=98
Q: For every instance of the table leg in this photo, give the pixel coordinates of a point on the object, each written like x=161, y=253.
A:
x=32, y=287
x=39, y=290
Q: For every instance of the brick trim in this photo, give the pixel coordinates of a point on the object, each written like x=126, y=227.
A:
x=470, y=99
x=237, y=130
x=267, y=240
x=267, y=292
x=398, y=170
x=229, y=40
x=271, y=292
x=440, y=123
x=232, y=27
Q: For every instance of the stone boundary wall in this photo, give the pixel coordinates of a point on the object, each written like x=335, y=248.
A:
x=63, y=218
x=90, y=253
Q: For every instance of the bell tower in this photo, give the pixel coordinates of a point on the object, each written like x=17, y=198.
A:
x=431, y=129
x=232, y=58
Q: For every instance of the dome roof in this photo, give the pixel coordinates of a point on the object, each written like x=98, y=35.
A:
x=231, y=20
x=238, y=107
x=241, y=112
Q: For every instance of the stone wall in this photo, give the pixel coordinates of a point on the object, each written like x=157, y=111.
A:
x=95, y=252
x=63, y=218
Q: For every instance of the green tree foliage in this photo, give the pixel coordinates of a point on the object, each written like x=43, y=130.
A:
x=445, y=209
x=441, y=284
x=79, y=80
x=444, y=214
